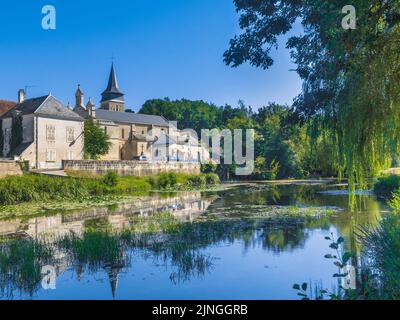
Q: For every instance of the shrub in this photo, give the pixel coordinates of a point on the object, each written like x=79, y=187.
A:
x=167, y=180
x=197, y=181
x=386, y=186
x=111, y=179
x=212, y=179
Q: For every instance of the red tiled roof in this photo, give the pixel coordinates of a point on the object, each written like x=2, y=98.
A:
x=6, y=106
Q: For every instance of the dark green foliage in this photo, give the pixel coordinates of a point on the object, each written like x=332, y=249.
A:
x=382, y=256
x=208, y=167
x=197, y=181
x=212, y=179
x=16, y=132
x=279, y=140
x=355, y=90
x=97, y=142
x=179, y=181
x=386, y=186
x=195, y=115
x=24, y=166
x=167, y=180
x=111, y=179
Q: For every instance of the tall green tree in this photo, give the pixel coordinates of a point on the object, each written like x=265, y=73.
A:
x=16, y=132
x=96, y=140
x=351, y=78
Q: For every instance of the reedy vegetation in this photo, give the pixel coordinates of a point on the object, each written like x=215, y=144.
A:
x=27, y=188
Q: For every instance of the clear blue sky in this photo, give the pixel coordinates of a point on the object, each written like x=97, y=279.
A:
x=162, y=48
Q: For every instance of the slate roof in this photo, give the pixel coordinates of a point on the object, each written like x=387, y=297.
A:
x=127, y=117
x=112, y=91
x=46, y=106
x=6, y=106
x=21, y=148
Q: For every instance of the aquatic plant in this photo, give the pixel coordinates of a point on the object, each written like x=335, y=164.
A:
x=382, y=256
x=20, y=265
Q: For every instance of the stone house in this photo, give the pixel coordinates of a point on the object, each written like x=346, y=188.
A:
x=50, y=132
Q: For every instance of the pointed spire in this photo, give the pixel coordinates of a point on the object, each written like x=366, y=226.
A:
x=112, y=91
x=112, y=81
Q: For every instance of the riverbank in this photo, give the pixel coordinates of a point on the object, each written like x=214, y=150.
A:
x=35, y=194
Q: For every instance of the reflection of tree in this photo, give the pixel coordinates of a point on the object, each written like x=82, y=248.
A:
x=284, y=238
x=182, y=247
x=20, y=265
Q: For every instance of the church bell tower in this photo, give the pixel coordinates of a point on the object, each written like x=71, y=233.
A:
x=112, y=98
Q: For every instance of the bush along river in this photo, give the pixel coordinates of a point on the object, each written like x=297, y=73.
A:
x=252, y=241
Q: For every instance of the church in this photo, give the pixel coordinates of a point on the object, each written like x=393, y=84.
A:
x=52, y=132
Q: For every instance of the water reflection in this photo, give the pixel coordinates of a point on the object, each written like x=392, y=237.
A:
x=116, y=241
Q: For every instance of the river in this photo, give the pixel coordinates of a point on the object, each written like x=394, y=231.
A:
x=205, y=257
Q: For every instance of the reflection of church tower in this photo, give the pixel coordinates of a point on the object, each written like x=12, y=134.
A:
x=113, y=276
x=112, y=98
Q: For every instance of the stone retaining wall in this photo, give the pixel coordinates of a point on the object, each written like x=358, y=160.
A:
x=10, y=168
x=131, y=168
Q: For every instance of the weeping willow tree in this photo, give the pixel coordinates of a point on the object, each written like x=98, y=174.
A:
x=351, y=77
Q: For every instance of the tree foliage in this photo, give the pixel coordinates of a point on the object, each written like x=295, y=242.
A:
x=16, y=132
x=97, y=142
x=282, y=147
x=351, y=78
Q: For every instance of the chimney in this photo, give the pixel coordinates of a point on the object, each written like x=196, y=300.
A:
x=21, y=95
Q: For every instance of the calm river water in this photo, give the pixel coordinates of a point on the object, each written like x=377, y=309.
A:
x=214, y=259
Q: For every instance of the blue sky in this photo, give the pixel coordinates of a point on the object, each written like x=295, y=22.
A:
x=161, y=48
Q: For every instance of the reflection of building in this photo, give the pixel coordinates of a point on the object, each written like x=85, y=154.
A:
x=185, y=207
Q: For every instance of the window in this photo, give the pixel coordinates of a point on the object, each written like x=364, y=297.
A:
x=123, y=133
x=70, y=155
x=156, y=153
x=51, y=155
x=105, y=130
x=70, y=134
x=50, y=132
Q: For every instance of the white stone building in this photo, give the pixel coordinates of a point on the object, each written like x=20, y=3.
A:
x=50, y=132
